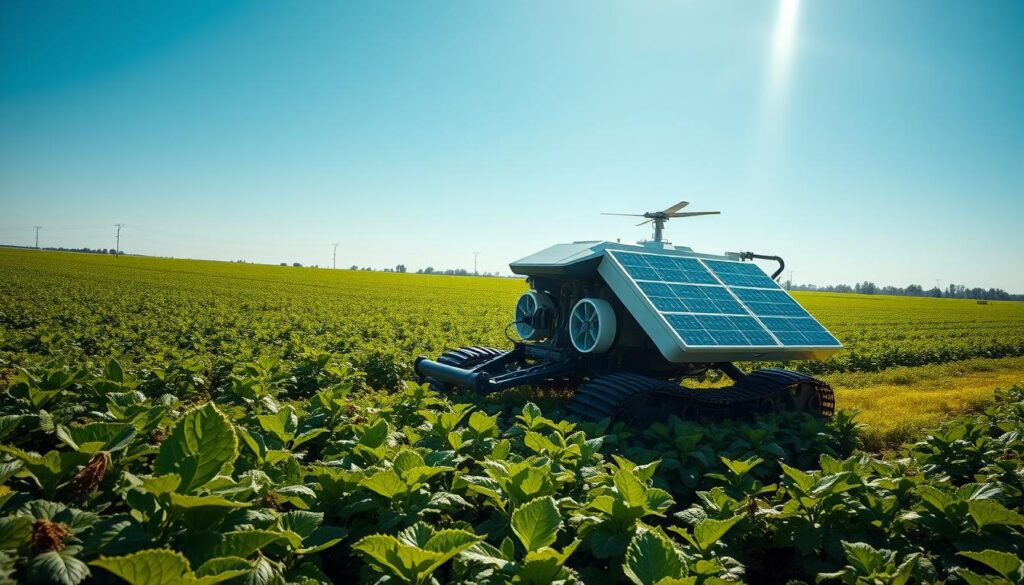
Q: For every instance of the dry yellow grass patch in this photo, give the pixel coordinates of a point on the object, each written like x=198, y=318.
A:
x=896, y=405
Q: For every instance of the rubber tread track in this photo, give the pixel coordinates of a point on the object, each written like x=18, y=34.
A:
x=607, y=396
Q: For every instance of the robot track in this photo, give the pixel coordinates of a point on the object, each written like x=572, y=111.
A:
x=640, y=399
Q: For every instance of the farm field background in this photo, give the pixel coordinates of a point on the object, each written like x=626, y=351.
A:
x=211, y=422
x=908, y=361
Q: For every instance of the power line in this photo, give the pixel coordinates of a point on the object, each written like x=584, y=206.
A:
x=117, y=251
x=38, y=227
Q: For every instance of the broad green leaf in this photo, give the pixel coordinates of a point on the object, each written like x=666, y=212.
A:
x=1006, y=564
x=322, y=538
x=406, y=461
x=451, y=541
x=386, y=483
x=97, y=436
x=991, y=513
x=148, y=567
x=416, y=535
x=543, y=567
x=534, y=442
x=272, y=424
x=630, y=489
x=709, y=531
x=307, y=436
x=10, y=422
x=481, y=423
x=537, y=523
x=190, y=501
x=301, y=522
x=606, y=544
x=651, y=557
x=455, y=440
x=57, y=567
x=658, y=500
x=863, y=557
x=49, y=470
x=14, y=531
x=202, y=445
x=741, y=467
x=802, y=480
x=486, y=554
x=531, y=412
x=114, y=372
x=161, y=484
x=222, y=566
x=243, y=543
x=420, y=475
x=375, y=435
x=409, y=563
x=973, y=578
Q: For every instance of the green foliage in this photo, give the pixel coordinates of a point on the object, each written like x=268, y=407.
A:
x=188, y=429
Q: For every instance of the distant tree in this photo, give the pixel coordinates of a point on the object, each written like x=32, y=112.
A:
x=353, y=267
x=428, y=270
x=400, y=268
x=297, y=264
x=284, y=264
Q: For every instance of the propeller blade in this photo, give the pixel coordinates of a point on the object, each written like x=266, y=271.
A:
x=629, y=214
x=693, y=213
x=645, y=222
x=677, y=207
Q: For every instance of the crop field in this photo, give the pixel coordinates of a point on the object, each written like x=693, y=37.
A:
x=167, y=421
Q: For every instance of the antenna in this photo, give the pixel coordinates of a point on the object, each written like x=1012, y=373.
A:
x=660, y=217
x=334, y=260
x=38, y=227
x=117, y=250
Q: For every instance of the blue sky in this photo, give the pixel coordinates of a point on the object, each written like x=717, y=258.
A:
x=859, y=140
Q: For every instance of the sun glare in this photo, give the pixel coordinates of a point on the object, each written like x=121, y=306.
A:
x=783, y=45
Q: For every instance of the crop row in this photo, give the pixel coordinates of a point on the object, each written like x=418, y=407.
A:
x=160, y=313
x=289, y=476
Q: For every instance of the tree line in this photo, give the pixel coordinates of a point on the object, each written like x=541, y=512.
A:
x=953, y=291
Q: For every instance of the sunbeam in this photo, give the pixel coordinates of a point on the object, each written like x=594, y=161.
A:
x=783, y=46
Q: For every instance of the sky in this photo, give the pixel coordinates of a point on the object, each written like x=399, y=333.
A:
x=860, y=140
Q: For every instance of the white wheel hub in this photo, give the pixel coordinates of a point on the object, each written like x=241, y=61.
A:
x=527, y=307
x=592, y=326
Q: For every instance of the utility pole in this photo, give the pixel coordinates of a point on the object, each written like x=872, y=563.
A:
x=475, y=256
x=117, y=250
x=789, y=285
x=38, y=227
x=334, y=260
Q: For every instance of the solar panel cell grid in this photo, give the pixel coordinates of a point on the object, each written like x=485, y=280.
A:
x=718, y=330
x=665, y=268
x=769, y=302
x=712, y=316
x=739, y=274
x=799, y=331
x=687, y=298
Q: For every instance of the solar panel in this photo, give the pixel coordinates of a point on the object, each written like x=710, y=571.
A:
x=721, y=304
x=740, y=274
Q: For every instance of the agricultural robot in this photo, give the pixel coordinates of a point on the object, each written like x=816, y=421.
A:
x=625, y=325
